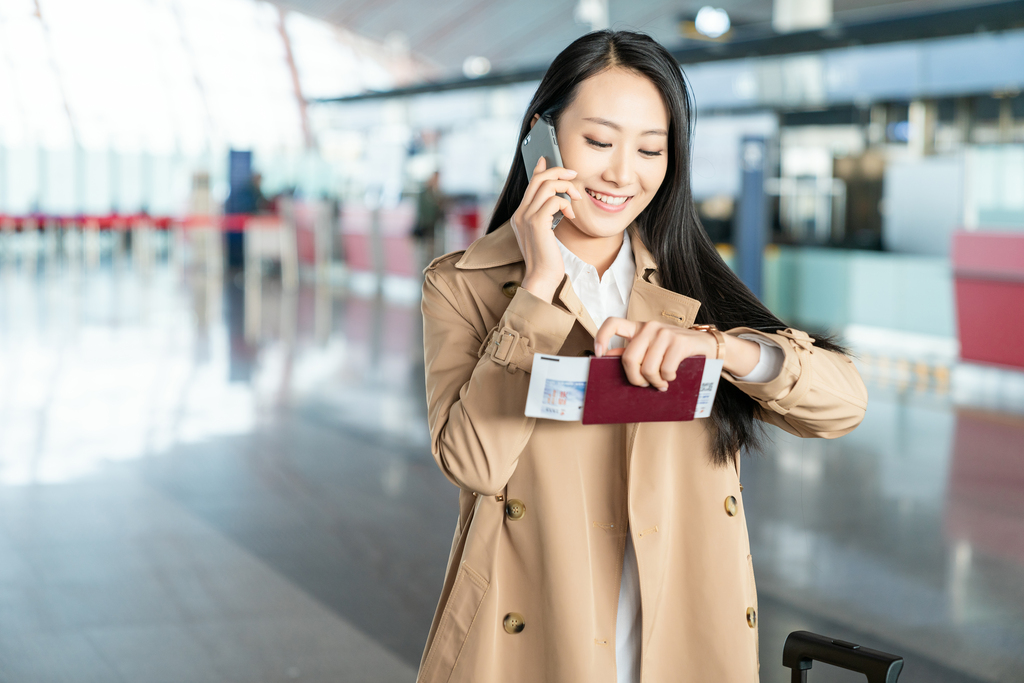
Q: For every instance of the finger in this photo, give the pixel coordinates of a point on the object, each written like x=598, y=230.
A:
x=532, y=185
x=545, y=212
x=542, y=175
x=648, y=331
x=610, y=328
x=614, y=352
x=556, y=185
x=555, y=173
x=542, y=199
x=650, y=368
x=632, y=358
x=673, y=357
x=545, y=169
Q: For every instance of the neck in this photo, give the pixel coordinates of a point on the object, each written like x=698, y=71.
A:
x=599, y=252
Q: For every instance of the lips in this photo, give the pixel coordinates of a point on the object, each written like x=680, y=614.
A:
x=608, y=202
x=610, y=199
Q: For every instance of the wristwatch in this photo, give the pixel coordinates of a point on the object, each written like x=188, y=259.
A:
x=717, y=334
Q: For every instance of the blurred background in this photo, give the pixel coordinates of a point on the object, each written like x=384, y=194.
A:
x=214, y=459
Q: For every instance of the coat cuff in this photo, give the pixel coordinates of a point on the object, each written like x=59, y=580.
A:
x=530, y=325
x=792, y=382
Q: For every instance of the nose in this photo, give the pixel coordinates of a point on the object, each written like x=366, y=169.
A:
x=620, y=168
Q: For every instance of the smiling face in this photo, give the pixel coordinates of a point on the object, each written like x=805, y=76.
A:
x=614, y=134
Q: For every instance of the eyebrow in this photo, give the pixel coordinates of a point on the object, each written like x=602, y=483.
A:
x=615, y=126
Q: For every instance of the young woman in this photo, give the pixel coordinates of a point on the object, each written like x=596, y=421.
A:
x=606, y=553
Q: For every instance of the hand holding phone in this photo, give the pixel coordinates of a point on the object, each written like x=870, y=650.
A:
x=542, y=141
x=549, y=192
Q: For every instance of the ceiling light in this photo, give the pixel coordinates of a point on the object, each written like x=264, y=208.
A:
x=475, y=67
x=712, y=22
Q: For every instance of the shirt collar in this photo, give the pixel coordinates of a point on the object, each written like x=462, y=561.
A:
x=621, y=270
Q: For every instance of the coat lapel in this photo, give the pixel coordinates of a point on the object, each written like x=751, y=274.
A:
x=649, y=301
x=572, y=303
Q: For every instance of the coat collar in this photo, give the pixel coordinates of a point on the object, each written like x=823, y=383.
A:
x=500, y=248
x=648, y=301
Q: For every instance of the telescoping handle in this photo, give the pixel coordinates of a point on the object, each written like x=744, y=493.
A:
x=803, y=647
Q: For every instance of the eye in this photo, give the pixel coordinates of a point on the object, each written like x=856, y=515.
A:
x=595, y=143
x=647, y=153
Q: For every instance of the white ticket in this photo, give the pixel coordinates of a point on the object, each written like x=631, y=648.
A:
x=557, y=387
x=708, y=387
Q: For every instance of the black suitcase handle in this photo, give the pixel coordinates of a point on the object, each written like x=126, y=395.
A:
x=804, y=647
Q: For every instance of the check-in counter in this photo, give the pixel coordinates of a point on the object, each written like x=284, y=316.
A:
x=989, y=279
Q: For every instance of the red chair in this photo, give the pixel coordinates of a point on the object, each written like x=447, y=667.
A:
x=396, y=233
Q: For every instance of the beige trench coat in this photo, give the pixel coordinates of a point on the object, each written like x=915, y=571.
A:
x=532, y=584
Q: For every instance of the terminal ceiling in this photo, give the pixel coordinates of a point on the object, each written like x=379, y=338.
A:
x=529, y=33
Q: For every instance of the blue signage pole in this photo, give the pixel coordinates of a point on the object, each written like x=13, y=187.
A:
x=241, y=199
x=751, y=233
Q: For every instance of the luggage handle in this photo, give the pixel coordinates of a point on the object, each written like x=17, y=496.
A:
x=803, y=647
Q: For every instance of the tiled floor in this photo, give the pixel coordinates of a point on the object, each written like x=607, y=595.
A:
x=183, y=502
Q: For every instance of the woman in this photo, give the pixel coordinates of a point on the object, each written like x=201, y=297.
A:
x=606, y=552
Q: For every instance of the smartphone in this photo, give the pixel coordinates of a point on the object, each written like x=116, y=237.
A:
x=541, y=142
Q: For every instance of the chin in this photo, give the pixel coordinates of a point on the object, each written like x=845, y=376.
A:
x=604, y=226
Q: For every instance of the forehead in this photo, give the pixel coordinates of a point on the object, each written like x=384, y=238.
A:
x=622, y=96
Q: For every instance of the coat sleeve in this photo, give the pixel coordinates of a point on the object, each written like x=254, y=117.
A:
x=477, y=384
x=817, y=393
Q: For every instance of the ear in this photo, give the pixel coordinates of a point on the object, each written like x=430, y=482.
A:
x=534, y=120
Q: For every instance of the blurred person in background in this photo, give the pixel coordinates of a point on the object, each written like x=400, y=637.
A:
x=592, y=553
x=247, y=198
x=260, y=200
x=430, y=206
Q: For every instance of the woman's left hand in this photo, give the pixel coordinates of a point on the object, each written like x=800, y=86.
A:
x=654, y=350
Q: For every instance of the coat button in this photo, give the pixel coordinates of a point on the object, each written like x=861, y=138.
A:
x=510, y=288
x=514, y=623
x=515, y=509
x=751, y=617
x=730, y=506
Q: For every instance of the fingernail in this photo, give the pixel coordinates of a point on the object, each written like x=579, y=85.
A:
x=662, y=388
x=571, y=171
x=598, y=350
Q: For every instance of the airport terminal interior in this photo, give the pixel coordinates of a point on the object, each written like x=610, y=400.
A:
x=215, y=462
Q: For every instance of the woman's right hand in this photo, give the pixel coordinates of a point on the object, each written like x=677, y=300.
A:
x=532, y=225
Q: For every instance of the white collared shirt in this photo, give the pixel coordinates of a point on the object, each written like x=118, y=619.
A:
x=606, y=297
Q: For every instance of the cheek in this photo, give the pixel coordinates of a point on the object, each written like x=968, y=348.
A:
x=652, y=178
x=579, y=161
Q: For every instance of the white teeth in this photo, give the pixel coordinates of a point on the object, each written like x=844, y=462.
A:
x=613, y=201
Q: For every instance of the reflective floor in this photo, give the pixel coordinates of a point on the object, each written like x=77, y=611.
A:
x=200, y=485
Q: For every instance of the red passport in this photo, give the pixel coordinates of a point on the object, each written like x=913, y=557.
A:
x=611, y=399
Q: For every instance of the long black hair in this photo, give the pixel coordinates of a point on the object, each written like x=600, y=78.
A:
x=688, y=262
